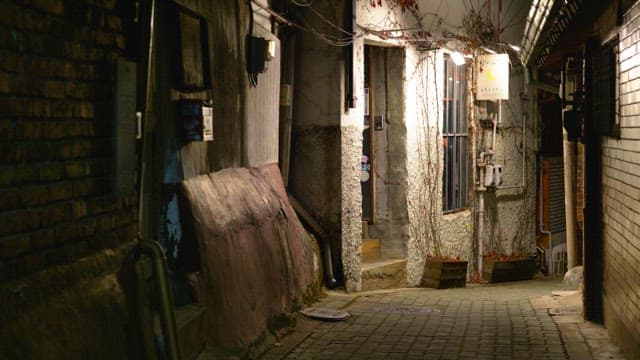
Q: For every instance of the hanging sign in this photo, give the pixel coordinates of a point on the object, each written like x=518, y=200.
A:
x=493, y=77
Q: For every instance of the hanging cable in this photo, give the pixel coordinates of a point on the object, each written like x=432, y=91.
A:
x=253, y=76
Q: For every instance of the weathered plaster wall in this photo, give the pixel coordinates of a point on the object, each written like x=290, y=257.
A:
x=327, y=141
x=509, y=225
x=423, y=107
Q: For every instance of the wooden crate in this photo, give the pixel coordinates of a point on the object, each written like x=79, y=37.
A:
x=442, y=274
x=495, y=270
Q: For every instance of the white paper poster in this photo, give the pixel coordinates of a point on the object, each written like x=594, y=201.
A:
x=493, y=77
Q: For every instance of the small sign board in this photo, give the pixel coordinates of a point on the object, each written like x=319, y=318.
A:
x=493, y=77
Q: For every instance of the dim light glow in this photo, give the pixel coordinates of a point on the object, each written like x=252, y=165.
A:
x=457, y=58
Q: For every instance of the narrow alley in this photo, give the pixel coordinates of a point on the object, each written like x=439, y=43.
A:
x=519, y=320
x=199, y=179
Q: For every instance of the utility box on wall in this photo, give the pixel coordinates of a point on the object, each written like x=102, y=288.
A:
x=197, y=120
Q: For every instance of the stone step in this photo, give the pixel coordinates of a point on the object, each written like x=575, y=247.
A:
x=370, y=250
x=384, y=274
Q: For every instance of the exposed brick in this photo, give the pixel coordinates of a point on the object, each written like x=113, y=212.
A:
x=38, y=152
x=74, y=149
x=42, y=239
x=24, y=174
x=106, y=222
x=86, y=227
x=78, y=209
x=14, y=245
x=55, y=7
x=55, y=129
x=76, y=169
x=7, y=130
x=10, y=153
x=61, y=191
x=62, y=109
x=83, y=110
x=12, y=15
x=26, y=84
x=6, y=175
x=54, y=214
x=64, y=232
x=10, y=199
x=12, y=106
x=12, y=63
x=35, y=195
x=54, y=89
x=49, y=172
x=5, y=83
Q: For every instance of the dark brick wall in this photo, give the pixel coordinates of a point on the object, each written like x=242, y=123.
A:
x=57, y=60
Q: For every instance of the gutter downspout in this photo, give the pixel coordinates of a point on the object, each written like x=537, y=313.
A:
x=569, y=199
x=543, y=231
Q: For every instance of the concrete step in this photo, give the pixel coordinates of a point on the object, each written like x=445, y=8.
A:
x=190, y=327
x=370, y=250
x=190, y=323
x=384, y=274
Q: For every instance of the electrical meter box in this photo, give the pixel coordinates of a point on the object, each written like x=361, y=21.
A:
x=197, y=120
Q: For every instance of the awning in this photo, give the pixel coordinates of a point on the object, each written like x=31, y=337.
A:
x=546, y=22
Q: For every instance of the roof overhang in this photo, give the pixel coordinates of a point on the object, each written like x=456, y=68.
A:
x=546, y=22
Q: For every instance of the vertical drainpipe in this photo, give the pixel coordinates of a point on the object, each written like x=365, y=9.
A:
x=569, y=199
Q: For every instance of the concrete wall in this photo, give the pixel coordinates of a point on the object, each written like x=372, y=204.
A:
x=621, y=160
x=327, y=142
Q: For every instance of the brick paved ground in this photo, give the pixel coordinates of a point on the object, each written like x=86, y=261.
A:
x=506, y=321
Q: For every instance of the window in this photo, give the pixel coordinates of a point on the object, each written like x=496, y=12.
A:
x=454, y=137
x=606, y=94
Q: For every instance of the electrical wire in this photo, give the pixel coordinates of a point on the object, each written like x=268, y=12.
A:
x=326, y=38
x=302, y=4
x=253, y=77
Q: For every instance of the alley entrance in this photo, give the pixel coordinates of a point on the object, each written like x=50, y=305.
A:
x=519, y=320
x=383, y=170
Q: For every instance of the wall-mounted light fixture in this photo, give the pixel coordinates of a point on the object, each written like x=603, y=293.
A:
x=457, y=58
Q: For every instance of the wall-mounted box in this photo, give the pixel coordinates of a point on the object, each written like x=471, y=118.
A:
x=197, y=120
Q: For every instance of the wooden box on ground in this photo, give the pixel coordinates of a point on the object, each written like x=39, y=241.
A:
x=495, y=270
x=442, y=274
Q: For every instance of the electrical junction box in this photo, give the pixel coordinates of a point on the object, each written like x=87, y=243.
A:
x=493, y=175
x=197, y=120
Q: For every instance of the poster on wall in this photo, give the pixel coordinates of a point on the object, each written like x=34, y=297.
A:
x=493, y=77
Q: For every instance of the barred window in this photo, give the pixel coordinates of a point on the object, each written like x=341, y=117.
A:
x=606, y=94
x=454, y=137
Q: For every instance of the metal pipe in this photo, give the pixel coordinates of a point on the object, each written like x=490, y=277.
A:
x=480, y=231
x=569, y=203
x=543, y=231
x=161, y=276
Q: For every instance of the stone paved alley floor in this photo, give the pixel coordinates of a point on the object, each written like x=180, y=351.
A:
x=504, y=321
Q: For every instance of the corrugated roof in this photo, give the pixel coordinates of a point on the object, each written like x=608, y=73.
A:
x=546, y=21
